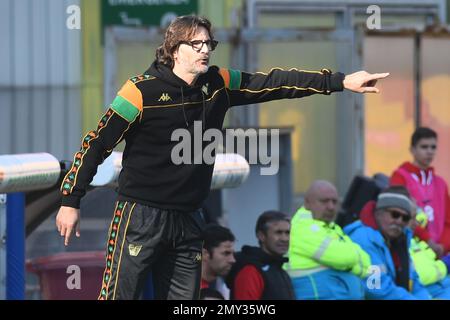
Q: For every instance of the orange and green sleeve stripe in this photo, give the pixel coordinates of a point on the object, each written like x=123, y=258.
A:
x=232, y=78
x=128, y=102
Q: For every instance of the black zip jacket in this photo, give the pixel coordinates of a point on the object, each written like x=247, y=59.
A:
x=277, y=283
x=147, y=110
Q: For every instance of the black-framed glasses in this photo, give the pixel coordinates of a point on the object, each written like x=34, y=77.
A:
x=197, y=45
x=396, y=214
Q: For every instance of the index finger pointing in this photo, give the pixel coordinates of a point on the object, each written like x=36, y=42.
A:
x=376, y=76
x=68, y=235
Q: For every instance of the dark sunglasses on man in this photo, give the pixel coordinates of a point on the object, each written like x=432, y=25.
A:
x=396, y=214
x=197, y=45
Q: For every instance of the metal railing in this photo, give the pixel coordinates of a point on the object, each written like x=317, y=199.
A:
x=22, y=173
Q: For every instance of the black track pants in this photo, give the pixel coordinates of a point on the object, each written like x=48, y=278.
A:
x=166, y=242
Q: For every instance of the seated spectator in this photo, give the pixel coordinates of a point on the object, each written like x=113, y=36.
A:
x=210, y=294
x=324, y=263
x=258, y=273
x=217, y=257
x=382, y=232
x=432, y=271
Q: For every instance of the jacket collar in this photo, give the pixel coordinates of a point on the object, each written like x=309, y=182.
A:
x=304, y=214
x=425, y=177
x=258, y=254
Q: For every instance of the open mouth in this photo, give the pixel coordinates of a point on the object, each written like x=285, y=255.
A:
x=204, y=61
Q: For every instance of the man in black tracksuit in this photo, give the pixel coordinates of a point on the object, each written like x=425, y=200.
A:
x=157, y=222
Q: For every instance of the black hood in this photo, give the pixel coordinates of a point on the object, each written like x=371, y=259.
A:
x=166, y=74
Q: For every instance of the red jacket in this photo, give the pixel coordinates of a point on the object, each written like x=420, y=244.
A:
x=398, y=178
x=248, y=284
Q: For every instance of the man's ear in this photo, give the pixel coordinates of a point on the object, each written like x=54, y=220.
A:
x=306, y=203
x=205, y=254
x=261, y=236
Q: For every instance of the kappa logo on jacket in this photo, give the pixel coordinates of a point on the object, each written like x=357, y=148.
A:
x=165, y=97
x=134, y=249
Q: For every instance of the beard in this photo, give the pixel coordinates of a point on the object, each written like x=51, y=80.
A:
x=200, y=68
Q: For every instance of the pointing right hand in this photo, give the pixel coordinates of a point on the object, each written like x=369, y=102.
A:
x=68, y=222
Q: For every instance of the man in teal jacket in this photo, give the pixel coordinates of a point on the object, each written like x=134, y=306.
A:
x=382, y=232
x=323, y=262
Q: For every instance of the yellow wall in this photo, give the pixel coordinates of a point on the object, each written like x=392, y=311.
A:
x=436, y=97
x=313, y=118
x=314, y=143
x=92, y=57
x=389, y=116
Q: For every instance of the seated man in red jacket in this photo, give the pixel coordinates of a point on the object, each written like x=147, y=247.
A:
x=258, y=273
x=428, y=189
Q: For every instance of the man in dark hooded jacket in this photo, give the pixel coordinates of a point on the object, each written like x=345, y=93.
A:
x=157, y=223
x=258, y=273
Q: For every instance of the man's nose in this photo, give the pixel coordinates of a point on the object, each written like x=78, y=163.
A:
x=331, y=206
x=205, y=48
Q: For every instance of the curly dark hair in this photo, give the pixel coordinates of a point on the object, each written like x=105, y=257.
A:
x=181, y=29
